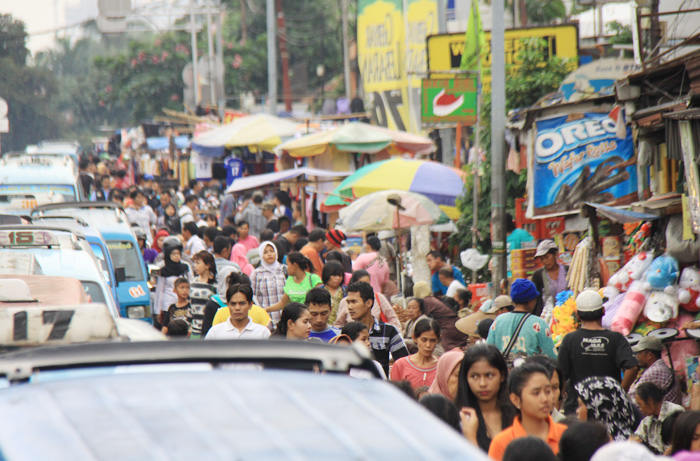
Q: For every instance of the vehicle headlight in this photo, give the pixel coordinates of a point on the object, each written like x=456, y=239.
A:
x=136, y=312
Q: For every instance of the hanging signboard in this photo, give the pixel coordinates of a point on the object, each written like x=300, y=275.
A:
x=580, y=158
x=445, y=50
x=448, y=101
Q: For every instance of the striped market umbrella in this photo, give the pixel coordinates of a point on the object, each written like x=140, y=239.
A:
x=375, y=212
x=440, y=183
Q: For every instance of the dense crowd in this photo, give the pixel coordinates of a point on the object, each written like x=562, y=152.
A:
x=249, y=268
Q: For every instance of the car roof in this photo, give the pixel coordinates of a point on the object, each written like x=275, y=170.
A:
x=100, y=215
x=242, y=415
x=131, y=408
x=47, y=289
x=28, y=169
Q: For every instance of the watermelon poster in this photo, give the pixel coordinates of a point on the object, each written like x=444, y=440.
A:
x=448, y=101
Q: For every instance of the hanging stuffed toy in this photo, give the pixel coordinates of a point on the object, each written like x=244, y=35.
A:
x=633, y=270
x=628, y=312
x=660, y=280
x=689, y=289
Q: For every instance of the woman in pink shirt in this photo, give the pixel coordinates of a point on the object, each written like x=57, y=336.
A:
x=419, y=369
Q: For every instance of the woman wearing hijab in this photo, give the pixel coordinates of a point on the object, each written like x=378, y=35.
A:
x=447, y=376
x=602, y=399
x=238, y=256
x=268, y=279
x=172, y=269
x=159, y=239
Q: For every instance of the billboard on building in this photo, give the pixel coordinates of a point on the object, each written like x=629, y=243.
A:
x=392, y=58
x=581, y=158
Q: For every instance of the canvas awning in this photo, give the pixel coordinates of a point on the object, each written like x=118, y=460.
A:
x=253, y=182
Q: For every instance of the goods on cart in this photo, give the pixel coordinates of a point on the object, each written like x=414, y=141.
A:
x=564, y=319
x=630, y=272
x=632, y=305
x=577, y=276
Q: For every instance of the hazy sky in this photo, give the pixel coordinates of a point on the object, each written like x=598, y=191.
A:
x=46, y=15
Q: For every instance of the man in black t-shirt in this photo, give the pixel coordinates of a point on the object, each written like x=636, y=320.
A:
x=593, y=350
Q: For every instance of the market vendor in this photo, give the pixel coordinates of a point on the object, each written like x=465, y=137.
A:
x=550, y=279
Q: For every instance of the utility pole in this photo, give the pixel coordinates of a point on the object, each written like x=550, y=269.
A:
x=220, y=85
x=244, y=26
x=655, y=30
x=284, y=55
x=271, y=57
x=346, y=53
x=210, y=59
x=498, y=163
x=193, y=31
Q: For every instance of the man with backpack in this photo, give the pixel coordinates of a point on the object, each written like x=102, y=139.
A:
x=519, y=333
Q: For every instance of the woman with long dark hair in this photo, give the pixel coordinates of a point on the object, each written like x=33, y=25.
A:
x=295, y=322
x=300, y=281
x=419, y=369
x=332, y=278
x=686, y=432
x=482, y=388
x=531, y=393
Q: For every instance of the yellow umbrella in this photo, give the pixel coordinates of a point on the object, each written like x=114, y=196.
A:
x=261, y=131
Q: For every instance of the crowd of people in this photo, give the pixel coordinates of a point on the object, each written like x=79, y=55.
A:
x=252, y=270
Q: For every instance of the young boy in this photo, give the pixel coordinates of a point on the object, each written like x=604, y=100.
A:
x=181, y=308
x=318, y=300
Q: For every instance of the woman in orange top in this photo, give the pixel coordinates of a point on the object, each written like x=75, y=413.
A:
x=531, y=393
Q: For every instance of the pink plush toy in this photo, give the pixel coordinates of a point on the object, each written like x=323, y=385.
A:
x=689, y=289
x=628, y=312
x=633, y=270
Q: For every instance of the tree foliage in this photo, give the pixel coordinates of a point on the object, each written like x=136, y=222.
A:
x=27, y=90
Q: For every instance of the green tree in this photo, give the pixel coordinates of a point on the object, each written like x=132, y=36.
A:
x=544, y=12
x=623, y=34
x=27, y=90
x=535, y=76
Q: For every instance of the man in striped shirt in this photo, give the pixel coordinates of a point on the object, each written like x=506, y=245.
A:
x=384, y=338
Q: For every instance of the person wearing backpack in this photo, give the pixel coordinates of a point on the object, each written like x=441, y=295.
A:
x=519, y=334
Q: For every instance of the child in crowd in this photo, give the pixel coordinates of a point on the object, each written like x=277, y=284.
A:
x=181, y=308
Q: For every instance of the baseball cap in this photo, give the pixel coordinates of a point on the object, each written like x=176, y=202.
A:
x=499, y=303
x=544, y=247
x=589, y=301
x=648, y=343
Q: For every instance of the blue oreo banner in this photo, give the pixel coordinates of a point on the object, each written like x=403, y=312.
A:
x=579, y=158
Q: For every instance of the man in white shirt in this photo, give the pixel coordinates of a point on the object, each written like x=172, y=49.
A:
x=141, y=214
x=239, y=325
x=194, y=243
x=447, y=278
x=188, y=210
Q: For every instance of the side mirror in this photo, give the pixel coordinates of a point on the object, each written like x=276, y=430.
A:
x=120, y=274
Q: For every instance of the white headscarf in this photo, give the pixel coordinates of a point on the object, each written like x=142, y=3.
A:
x=270, y=267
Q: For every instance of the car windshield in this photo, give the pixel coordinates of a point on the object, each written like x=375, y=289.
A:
x=97, y=249
x=100, y=218
x=125, y=255
x=9, y=192
x=93, y=290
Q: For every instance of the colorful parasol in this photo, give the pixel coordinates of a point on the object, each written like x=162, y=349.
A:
x=374, y=212
x=440, y=183
x=357, y=137
x=261, y=131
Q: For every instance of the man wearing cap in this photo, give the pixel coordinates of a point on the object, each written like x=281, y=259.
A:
x=534, y=337
x=648, y=354
x=593, y=350
x=550, y=279
x=489, y=310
